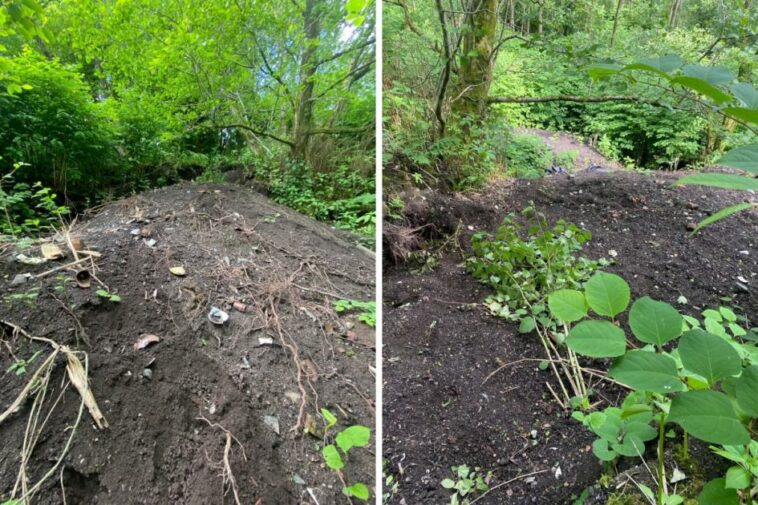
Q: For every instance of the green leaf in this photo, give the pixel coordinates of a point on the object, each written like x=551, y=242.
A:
x=702, y=87
x=725, y=181
x=737, y=478
x=597, y=339
x=448, y=483
x=722, y=214
x=708, y=356
x=647, y=371
x=568, y=305
x=607, y=294
x=749, y=115
x=713, y=75
x=601, y=451
x=654, y=322
x=743, y=157
x=330, y=418
x=332, y=457
x=359, y=490
x=746, y=390
x=353, y=436
x=603, y=70
x=746, y=94
x=527, y=325
x=716, y=493
x=709, y=416
x=661, y=65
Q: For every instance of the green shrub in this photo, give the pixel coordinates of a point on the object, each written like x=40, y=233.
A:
x=527, y=156
x=567, y=159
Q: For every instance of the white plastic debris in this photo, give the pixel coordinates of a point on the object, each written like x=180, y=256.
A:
x=217, y=316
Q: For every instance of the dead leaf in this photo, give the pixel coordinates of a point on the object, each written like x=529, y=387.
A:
x=178, y=271
x=329, y=327
x=309, y=367
x=146, y=340
x=51, y=251
x=77, y=244
x=79, y=380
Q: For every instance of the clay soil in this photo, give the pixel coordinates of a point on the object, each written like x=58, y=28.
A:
x=441, y=343
x=282, y=359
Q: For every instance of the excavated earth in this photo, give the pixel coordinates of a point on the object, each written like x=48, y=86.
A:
x=262, y=376
x=441, y=344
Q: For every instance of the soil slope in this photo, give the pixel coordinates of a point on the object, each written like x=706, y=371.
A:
x=441, y=343
x=287, y=355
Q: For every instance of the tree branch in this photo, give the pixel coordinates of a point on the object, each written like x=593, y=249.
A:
x=258, y=132
x=574, y=98
x=337, y=131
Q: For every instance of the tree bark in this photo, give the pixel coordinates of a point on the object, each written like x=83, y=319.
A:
x=476, y=62
x=619, y=6
x=304, y=112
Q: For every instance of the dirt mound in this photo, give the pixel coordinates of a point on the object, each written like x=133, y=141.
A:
x=440, y=344
x=282, y=359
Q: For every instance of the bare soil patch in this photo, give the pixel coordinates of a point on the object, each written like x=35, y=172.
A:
x=441, y=343
x=285, y=356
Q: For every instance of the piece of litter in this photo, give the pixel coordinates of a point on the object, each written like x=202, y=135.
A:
x=83, y=278
x=298, y=480
x=292, y=396
x=272, y=422
x=682, y=299
x=245, y=363
x=745, y=252
x=217, y=316
x=178, y=271
x=146, y=340
x=239, y=306
x=28, y=260
x=135, y=232
x=21, y=279
x=613, y=253
x=51, y=251
x=677, y=476
x=151, y=242
x=265, y=341
x=741, y=279
x=147, y=374
x=557, y=472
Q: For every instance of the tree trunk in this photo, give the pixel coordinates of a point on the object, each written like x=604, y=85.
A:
x=304, y=112
x=476, y=61
x=619, y=6
x=676, y=6
x=512, y=14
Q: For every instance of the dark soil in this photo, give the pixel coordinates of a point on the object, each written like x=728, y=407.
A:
x=440, y=343
x=236, y=246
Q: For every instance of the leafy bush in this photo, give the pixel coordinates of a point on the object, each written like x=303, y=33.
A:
x=523, y=271
x=706, y=384
x=54, y=126
x=567, y=159
x=528, y=156
x=27, y=209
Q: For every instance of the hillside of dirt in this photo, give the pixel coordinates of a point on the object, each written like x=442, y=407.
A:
x=210, y=410
x=441, y=343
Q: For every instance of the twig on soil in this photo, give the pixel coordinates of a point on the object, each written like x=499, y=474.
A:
x=62, y=267
x=519, y=477
x=226, y=475
x=313, y=496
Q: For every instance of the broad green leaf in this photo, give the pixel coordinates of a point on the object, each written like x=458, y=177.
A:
x=713, y=75
x=746, y=94
x=332, y=457
x=448, y=483
x=737, y=478
x=359, y=490
x=654, y=322
x=725, y=181
x=703, y=88
x=722, y=214
x=716, y=493
x=601, y=451
x=709, y=416
x=746, y=390
x=631, y=446
x=597, y=339
x=607, y=294
x=602, y=70
x=647, y=371
x=527, y=325
x=708, y=355
x=353, y=436
x=749, y=115
x=568, y=305
x=666, y=63
x=743, y=157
